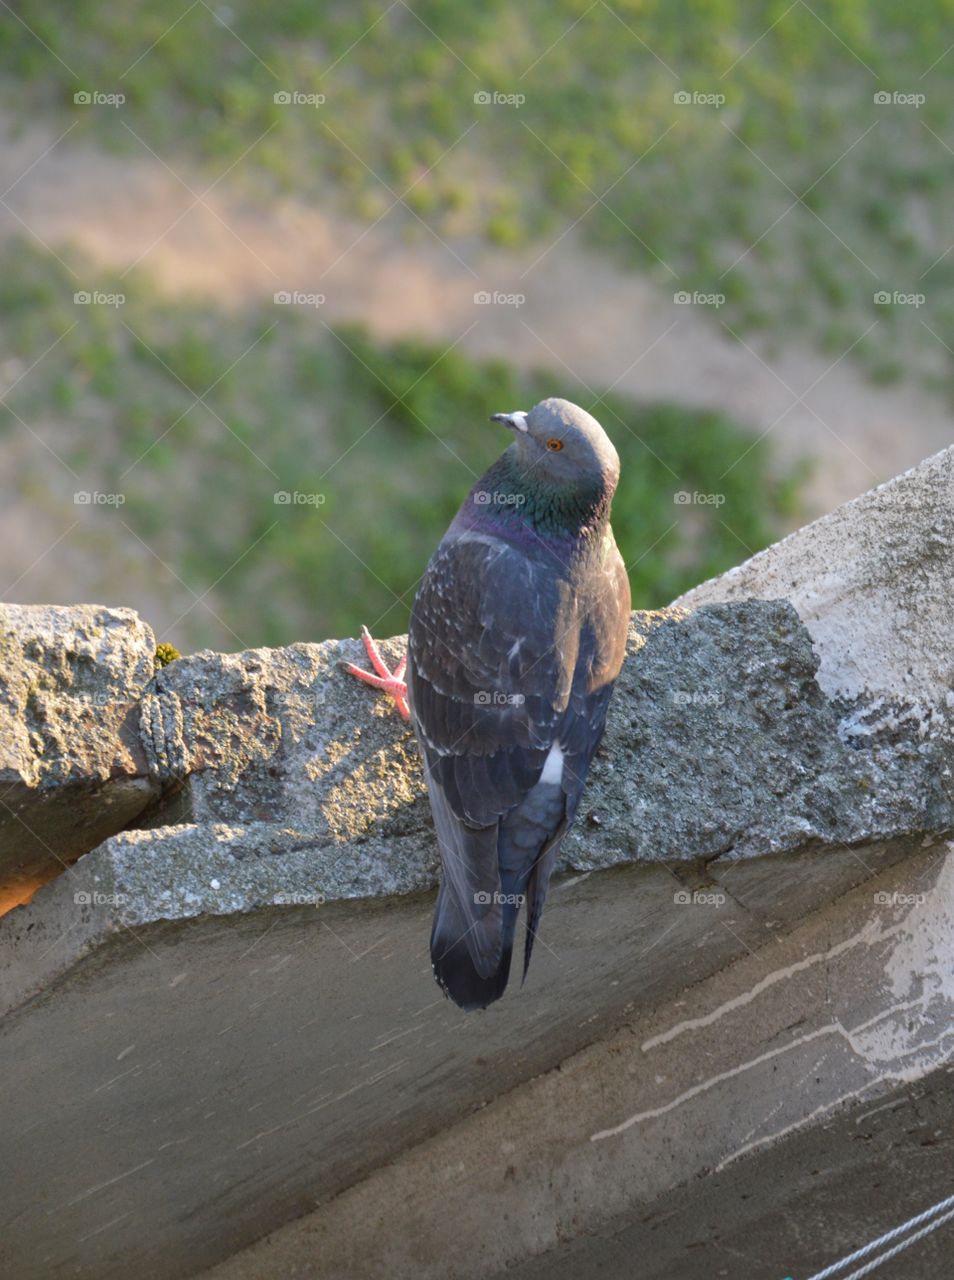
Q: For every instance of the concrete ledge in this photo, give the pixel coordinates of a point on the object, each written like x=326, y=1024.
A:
x=857, y=1000
x=872, y=583
x=237, y=1069
x=72, y=767
x=719, y=743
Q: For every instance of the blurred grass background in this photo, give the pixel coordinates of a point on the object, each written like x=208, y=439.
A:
x=685, y=191
x=799, y=116
x=348, y=424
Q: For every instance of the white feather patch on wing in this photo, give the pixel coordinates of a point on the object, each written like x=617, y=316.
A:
x=553, y=765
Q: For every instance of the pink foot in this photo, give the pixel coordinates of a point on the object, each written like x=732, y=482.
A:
x=382, y=678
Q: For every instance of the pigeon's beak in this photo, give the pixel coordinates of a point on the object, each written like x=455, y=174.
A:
x=516, y=421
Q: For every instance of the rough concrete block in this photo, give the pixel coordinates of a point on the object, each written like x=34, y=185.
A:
x=72, y=768
x=720, y=743
x=283, y=736
x=872, y=582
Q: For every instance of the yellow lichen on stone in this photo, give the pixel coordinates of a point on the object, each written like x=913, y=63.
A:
x=166, y=653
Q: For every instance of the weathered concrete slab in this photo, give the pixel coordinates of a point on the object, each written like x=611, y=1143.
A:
x=194, y=1082
x=872, y=581
x=720, y=743
x=72, y=769
x=791, y=1210
x=283, y=736
x=833, y=1016
x=251, y=1040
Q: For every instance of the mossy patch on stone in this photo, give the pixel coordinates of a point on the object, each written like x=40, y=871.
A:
x=166, y=653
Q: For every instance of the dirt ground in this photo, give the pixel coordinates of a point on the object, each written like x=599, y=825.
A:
x=580, y=316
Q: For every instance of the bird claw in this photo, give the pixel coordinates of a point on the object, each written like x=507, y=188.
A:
x=390, y=682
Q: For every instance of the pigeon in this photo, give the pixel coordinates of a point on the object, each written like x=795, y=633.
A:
x=516, y=638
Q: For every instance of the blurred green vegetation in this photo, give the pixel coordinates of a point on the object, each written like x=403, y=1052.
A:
x=379, y=443
x=687, y=192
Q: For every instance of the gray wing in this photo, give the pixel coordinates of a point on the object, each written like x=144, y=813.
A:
x=492, y=646
x=604, y=627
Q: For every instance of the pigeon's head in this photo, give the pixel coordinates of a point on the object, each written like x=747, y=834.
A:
x=563, y=445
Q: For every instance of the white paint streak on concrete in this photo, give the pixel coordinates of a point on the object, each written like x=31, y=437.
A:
x=122, y=1075
x=867, y=936
x=566, y=884
x=101, y=1186
x=832, y=1028
x=267, y=1133
x=398, y=1035
x=803, y=1120
x=105, y=1227
x=889, y=1047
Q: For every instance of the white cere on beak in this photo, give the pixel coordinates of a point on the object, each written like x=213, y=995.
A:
x=517, y=419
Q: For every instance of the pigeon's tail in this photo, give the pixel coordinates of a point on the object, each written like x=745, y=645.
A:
x=451, y=960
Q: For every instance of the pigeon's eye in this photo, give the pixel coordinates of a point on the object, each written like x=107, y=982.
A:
x=554, y=444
